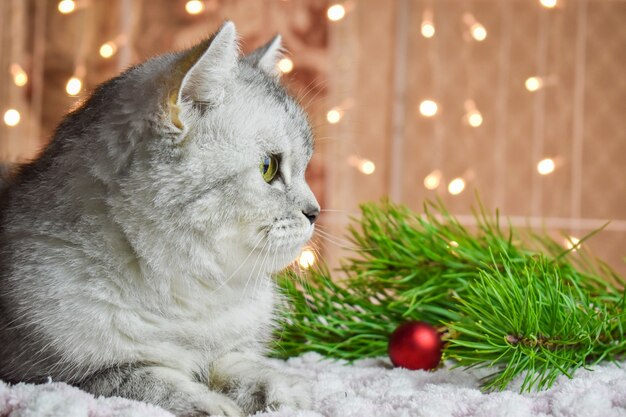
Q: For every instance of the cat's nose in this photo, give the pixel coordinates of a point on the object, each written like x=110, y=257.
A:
x=311, y=213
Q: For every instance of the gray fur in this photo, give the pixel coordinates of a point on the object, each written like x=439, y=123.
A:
x=136, y=251
x=5, y=171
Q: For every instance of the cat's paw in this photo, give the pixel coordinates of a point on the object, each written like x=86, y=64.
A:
x=287, y=390
x=214, y=404
x=272, y=391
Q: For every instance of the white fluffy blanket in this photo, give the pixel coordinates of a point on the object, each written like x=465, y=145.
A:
x=369, y=388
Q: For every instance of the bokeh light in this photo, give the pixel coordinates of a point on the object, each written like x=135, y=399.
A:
x=73, y=86
x=108, y=49
x=546, y=166
x=66, y=6
x=334, y=115
x=12, y=117
x=456, y=186
x=307, y=258
x=432, y=180
x=194, y=7
x=428, y=108
x=336, y=12
x=285, y=65
x=367, y=167
x=478, y=32
x=428, y=29
x=534, y=83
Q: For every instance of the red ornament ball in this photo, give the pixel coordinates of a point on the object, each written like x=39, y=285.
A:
x=415, y=345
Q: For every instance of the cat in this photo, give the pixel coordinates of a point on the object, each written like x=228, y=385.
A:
x=136, y=252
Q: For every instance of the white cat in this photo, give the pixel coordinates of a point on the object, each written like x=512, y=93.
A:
x=136, y=251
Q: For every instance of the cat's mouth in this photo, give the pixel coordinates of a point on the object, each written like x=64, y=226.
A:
x=282, y=241
x=288, y=231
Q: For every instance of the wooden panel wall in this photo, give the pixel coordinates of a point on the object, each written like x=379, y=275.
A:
x=376, y=67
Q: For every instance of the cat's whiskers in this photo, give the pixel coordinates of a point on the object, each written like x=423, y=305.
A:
x=349, y=244
x=256, y=245
x=339, y=242
x=311, y=99
x=262, y=252
x=317, y=246
x=324, y=277
x=273, y=265
x=303, y=92
x=259, y=282
x=301, y=278
x=267, y=268
x=313, y=85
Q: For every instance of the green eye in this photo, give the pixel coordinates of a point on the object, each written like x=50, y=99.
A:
x=268, y=167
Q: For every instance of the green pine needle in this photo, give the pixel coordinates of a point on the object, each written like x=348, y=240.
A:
x=519, y=304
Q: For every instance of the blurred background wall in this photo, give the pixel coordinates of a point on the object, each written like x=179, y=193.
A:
x=520, y=101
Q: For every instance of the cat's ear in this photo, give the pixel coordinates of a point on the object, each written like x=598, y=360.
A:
x=267, y=56
x=204, y=70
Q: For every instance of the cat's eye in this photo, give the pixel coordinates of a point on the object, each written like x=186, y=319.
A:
x=269, y=167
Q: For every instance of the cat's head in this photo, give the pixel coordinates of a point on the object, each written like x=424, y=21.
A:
x=218, y=154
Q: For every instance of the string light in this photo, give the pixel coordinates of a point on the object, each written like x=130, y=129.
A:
x=549, y=4
x=472, y=116
x=428, y=27
x=364, y=165
x=108, y=49
x=428, y=108
x=475, y=119
x=307, y=258
x=73, y=86
x=572, y=243
x=432, y=180
x=336, y=12
x=456, y=186
x=367, y=167
x=194, y=7
x=546, y=166
x=534, y=83
x=66, y=6
x=478, y=32
x=285, y=65
x=11, y=117
x=19, y=75
x=334, y=115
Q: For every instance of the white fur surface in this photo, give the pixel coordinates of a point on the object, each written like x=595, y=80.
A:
x=369, y=388
x=61, y=400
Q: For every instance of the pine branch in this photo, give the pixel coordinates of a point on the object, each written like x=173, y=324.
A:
x=531, y=320
x=520, y=304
